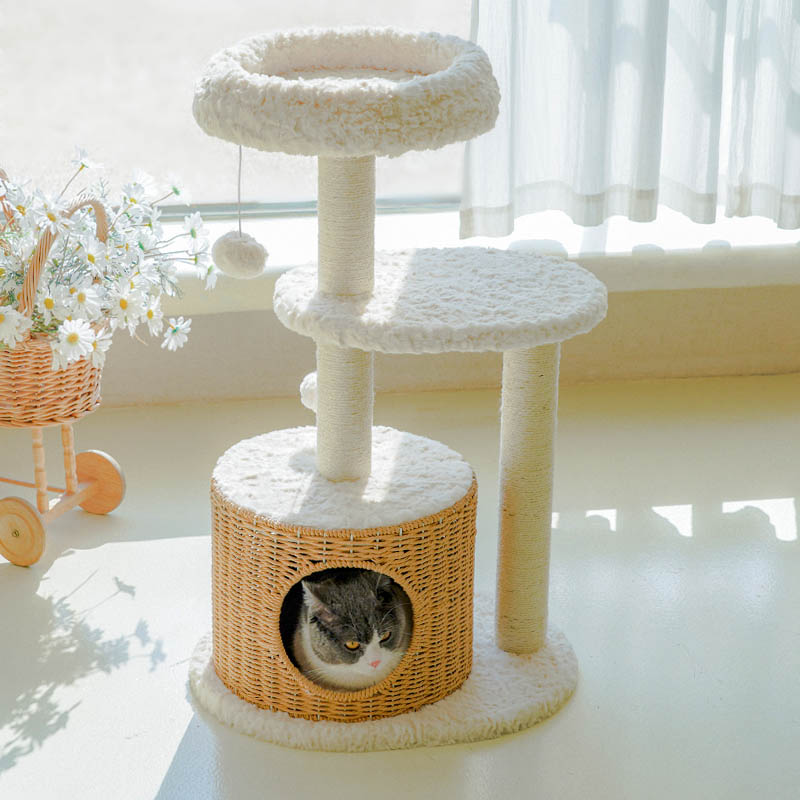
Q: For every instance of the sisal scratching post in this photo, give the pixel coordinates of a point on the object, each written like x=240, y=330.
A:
x=530, y=401
x=344, y=412
x=346, y=201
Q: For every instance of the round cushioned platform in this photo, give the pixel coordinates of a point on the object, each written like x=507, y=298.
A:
x=505, y=693
x=347, y=92
x=446, y=300
x=275, y=475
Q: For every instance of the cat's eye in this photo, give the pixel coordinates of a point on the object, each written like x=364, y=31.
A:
x=386, y=636
x=352, y=645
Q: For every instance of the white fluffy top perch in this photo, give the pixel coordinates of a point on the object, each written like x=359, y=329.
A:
x=347, y=92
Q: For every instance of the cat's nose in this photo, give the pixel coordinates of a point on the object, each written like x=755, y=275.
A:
x=375, y=663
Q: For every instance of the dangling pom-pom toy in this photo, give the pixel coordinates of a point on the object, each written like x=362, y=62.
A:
x=238, y=254
x=308, y=392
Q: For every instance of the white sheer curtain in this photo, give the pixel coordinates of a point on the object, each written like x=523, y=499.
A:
x=614, y=106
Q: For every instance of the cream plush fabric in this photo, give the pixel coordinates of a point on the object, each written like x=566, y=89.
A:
x=504, y=694
x=275, y=475
x=450, y=299
x=347, y=92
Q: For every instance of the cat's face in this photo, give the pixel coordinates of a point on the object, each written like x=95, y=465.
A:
x=358, y=625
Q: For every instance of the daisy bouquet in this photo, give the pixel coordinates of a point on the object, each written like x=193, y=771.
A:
x=74, y=273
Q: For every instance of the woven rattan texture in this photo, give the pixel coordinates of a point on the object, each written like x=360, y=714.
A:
x=256, y=562
x=33, y=395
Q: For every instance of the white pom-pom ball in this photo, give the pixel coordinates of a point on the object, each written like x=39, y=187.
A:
x=308, y=391
x=239, y=255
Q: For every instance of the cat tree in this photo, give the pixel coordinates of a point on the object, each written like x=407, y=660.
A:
x=345, y=493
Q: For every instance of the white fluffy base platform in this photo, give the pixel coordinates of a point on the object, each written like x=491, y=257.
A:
x=504, y=694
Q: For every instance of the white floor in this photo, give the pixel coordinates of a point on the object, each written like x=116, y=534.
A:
x=676, y=576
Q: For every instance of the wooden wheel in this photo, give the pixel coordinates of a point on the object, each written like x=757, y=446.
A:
x=94, y=466
x=21, y=532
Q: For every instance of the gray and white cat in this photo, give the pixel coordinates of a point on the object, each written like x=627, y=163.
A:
x=351, y=629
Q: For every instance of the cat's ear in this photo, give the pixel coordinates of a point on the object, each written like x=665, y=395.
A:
x=315, y=603
x=383, y=586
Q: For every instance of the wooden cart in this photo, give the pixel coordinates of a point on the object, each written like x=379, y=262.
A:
x=34, y=396
x=94, y=482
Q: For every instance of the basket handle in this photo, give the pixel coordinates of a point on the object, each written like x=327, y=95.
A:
x=27, y=297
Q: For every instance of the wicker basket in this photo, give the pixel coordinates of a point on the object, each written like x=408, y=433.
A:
x=255, y=564
x=31, y=393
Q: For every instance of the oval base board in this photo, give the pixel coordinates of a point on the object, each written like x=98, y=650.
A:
x=505, y=693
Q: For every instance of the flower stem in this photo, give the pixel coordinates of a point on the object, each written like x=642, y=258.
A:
x=77, y=172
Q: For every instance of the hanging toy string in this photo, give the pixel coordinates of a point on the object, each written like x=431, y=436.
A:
x=239, y=254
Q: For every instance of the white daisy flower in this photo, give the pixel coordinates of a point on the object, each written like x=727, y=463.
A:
x=178, y=189
x=146, y=240
x=177, y=333
x=75, y=337
x=81, y=160
x=193, y=225
x=50, y=303
x=154, y=316
x=13, y=326
x=86, y=303
x=153, y=222
x=148, y=274
x=211, y=277
x=94, y=251
x=19, y=199
x=125, y=305
x=148, y=182
x=134, y=193
x=100, y=345
x=49, y=214
x=138, y=283
x=129, y=250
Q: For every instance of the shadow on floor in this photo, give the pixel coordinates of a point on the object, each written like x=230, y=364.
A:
x=50, y=645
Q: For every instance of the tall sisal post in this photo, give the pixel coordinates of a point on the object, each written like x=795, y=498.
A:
x=530, y=402
x=346, y=215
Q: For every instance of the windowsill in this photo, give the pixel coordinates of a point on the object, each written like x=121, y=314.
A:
x=669, y=253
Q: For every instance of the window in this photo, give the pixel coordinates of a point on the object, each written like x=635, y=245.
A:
x=117, y=79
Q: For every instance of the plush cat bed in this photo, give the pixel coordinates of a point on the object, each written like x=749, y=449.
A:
x=274, y=475
x=347, y=92
x=505, y=693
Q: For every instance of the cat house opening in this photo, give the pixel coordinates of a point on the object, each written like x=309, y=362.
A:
x=346, y=628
